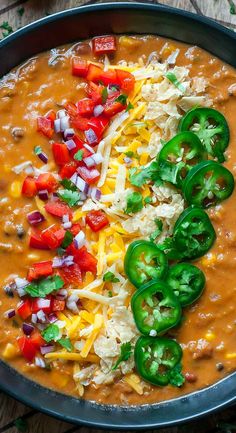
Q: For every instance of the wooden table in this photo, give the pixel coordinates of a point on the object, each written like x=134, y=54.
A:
x=13, y=415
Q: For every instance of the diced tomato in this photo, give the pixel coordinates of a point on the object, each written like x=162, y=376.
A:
x=58, y=304
x=29, y=188
x=27, y=348
x=36, y=240
x=58, y=209
x=37, y=339
x=90, y=175
x=75, y=229
x=51, y=115
x=94, y=73
x=71, y=274
x=85, y=107
x=68, y=170
x=71, y=109
x=80, y=123
x=53, y=236
x=98, y=125
x=40, y=269
x=126, y=80
x=95, y=92
x=24, y=309
x=96, y=220
x=79, y=146
x=104, y=45
x=46, y=181
x=79, y=67
x=40, y=304
x=44, y=125
x=61, y=153
x=109, y=77
x=86, y=261
x=112, y=107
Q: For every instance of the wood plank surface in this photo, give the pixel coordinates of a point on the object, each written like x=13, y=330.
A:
x=14, y=416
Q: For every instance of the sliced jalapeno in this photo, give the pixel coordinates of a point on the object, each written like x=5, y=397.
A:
x=187, y=282
x=207, y=184
x=178, y=156
x=144, y=262
x=155, y=308
x=155, y=359
x=211, y=127
x=193, y=233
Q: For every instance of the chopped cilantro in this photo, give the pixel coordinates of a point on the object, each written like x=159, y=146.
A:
x=21, y=11
x=68, y=196
x=232, y=7
x=78, y=156
x=129, y=106
x=129, y=153
x=134, y=202
x=125, y=354
x=110, y=294
x=109, y=276
x=42, y=288
x=148, y=200
x=176, y=376
x=174, y=80
x=122, y=99
x=68, y=239
x=158, y=230
x=21, y=425
x=104, y=95
x=68, y=184
x=51, y=333
x=37, y=150
x=150, y=173
x=8, y=29
x=66, y=343
x=60, y=251
x=15, y=324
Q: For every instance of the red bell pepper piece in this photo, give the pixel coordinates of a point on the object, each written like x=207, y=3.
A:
x=85, y=107
x=58, y=304
x=68, y=170
x=90, y=175
x=126, y=80
x=95, y=92
x=86, y=261
x=24, y=309
x=112, y=107
x=51, y=115
x=109, y=77
x=53, y=236
x=79, y=146
x=37, y=305
x=37, y=339
x=94, y=73
x=58, y=209
x=29, y=188
x=98, y=124
x=80, y=123
x=27, y=348
x=61, y=153
x=104, y=45
x=40, y=269
x=79, y=67
x=36, y=240
x=75, y=229
x=46, y=181
x=44, y=125
x=71, y=109
x=71, y=274
x=96, y=220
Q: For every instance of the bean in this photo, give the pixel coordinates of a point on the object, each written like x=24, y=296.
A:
x=190, y=377
x=17, y=132
x=219, y=366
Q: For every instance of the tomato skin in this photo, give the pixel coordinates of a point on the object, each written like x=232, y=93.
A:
x=71, y=274
x=75, y=229
x=89, y=175
x=36, y=240
x=68, y=170
x=27, y=348
x=85, y=107
x=95, y=92
x=80, y=123
x=58, y=209
x=112, y=107
x=29, y=188
x=98, y=125
x=51, y=115
x=109, y=77
x=71, y=109
x=104, y=45
x=79, y=67
x=86, y=261
x=96, y=220
x=53, y=236
x=46, y=181
x=37, y=339
x=94, y=73
x=40, y=269
x=61, y=153
x=58, y=305
x=44, y=125
x=24, y=309
x=126, y=80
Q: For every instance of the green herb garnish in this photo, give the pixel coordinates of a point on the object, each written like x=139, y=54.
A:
x=232, y=7
x=42, y=288
x=69, y=197
x=21, y=11
x=109, y=276
x=122, y=99
x=129, y=153
x=176, y=376
x=150, y=173
x=125, y=354
x=110, y=294
x=174, y=80
x=21, y=425
x=68, y=239
x=37, y=150
x=8, y=29
x=129, y=106
x=78, y=156
x=51, y=333
x=66, y=343
x=134, y=202
x=104, y=95
x=148, y=200
x=158, y=230
x=68, y=184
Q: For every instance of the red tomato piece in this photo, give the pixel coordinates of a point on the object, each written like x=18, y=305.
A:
x=96, y=220
x=37, y=339
x=126, y=80
x=58, y=305
x=86, y=261
x=24, y=309
x=80, y=123
x=71, y=274
x=58, y=208
x=40, y=304
x=94, y=73
x=53, y=236
x=95, y=92
x=51, y=115
x=112, y=107
x=46, y=181
x=29, y=188
x=79, y=67
x=27, y=348
x=80, y=146
x=98, y=124
x=36, y=240
x=40, y=269
x=61, y=153
x=75, y=229
x=44, y=125
x=68, y=170
x=85, y=107
x=90, y=175
x=109, y=77
x=71, y=109
x=104, y=45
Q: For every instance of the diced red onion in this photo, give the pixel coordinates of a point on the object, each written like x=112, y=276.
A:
x=95, y=193
x=98, y=110
x=91, y=136
x=127, y=160
x=57, y=125
x=34, y=318
x=65, y=124
x=47, y=349
x=43, y=157
x=21, y=282
x=57, y=262
x=39, y=362
x=98, y=158
x=79, y=240
x=89, y=148
x=171, y=60
x=70, y=144
x=62, y=293
x=52, y=318
x=89, y=161
x=65, y=218
x=73, y=178
x=43, y=303
x=21, y=292
x=69, y=133
x=83, y=196
x=113, y=88
x=41, y=316
x=9, y=314
x=43, y=194
x=67, y=225
x=35, y=218
x=9, y=289
x=61, y=113
x=68, y=260
x=82, y=185
x=27, y=328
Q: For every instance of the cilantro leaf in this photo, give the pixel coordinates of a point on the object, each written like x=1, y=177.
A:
x=104, y=95
x=129, y=106
x=150, y=173
x=122, y=99
x=110, y=294
x=68, y=184
x=68, y=196
x=60, y=251
x=125, y=354
x=134, y=202
x=109, y=276
x=129, y=153
x=40, y=289
x=78, y=156
x=158, y=230
x=68, y=239
x=51, y=333
x=6, y=26
x=37, y=150
x=66, y=343
x=176, y=377
x=21, y=425
x=21, y=11
x=174, y=80
x=232, y=7
x=148, y=200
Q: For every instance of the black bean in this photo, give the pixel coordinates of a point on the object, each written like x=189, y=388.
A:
x=20, y=231
x=219, y=366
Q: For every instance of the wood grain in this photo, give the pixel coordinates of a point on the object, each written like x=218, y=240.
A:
x=10, y=410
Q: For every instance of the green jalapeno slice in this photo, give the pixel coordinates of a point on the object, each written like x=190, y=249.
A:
x=187, y=282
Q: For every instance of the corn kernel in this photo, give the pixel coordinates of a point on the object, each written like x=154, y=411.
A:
x=10, y=351
x=144, y=158
x=230, y=355
x=77, y=215
x=210, y=336
x=59, y=379
x=15, y=189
